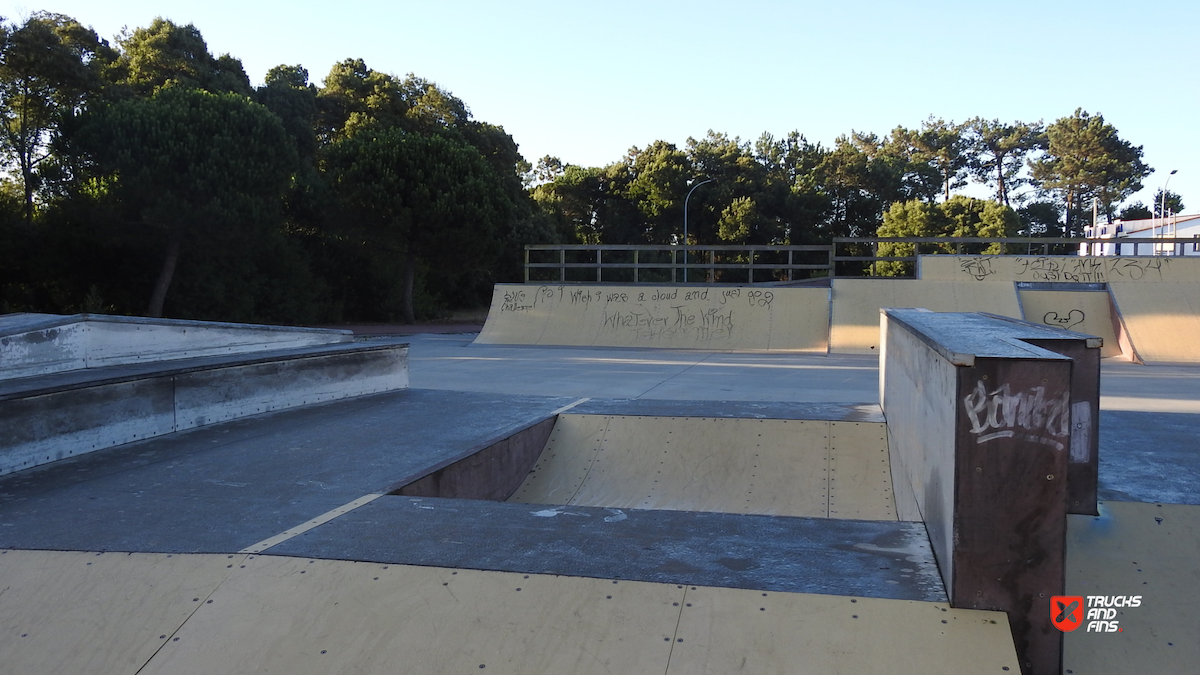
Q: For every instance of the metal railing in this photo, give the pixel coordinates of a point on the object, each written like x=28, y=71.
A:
x=665, y=263
x=846, y=257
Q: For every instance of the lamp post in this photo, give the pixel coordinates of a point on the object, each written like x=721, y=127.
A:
x=685, y=238
x=1162, y=208
x=1162, y=198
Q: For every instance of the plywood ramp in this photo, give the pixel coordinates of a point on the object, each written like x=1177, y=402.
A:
x=1162, y=320
x=803, y=468
x=1149, y=550
x=302, y=617
x=1080, y=311
x=856, y=305
x=675, y=317
x=71, y=612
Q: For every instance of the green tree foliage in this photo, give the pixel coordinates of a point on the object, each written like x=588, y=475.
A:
x=936, y=155
x=165, y=54
x=999, y=151
x=1166, y=205
x=49, y=67
x=430, y=198
x=372, y=195
x=957, y=217
x=1136, y=211
x=1040, y=219
x=189, y=161
x=1086, y=159
x=287, y=93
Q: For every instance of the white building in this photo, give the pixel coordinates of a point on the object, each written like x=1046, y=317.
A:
x=1145, y=231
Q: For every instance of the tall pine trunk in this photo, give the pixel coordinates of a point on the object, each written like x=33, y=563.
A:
x=165, y=275
x=410, y=273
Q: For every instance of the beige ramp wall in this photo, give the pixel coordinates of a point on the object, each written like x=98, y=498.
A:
x=1162, y=320
x=803, y=468
x=1080, y=311
x=1061, y=268
x=856, y=305
x=679, y=317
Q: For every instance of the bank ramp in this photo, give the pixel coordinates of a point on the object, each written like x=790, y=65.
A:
x=758, y=318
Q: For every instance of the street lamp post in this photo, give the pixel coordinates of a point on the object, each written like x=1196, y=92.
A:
x=685, y=237
x=1162, y=207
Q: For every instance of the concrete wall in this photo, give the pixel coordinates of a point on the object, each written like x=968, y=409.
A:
x=51, y=426
x=42, y=343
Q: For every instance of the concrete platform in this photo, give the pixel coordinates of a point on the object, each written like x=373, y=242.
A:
x=72, y=412
x=38, y=344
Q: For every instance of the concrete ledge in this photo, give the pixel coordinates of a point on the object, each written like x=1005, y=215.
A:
x=67, y=414
x=39, y=344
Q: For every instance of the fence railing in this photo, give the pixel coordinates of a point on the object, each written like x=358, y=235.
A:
x=675, y=264
x=846, y=257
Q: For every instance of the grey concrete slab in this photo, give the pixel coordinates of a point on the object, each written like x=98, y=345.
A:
x=225, y=487
x=89, y=377
x=1153, y=388
x=1149, y=457
x=452, y=362
x=837, y=412
x=883, y=559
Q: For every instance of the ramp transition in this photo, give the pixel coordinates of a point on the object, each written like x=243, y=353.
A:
x=804, y=468
x=856, y=305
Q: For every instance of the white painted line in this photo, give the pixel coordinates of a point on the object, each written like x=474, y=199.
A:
x=305, y=527
x=565, y=408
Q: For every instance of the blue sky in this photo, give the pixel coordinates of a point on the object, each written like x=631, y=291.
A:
x=587, y=81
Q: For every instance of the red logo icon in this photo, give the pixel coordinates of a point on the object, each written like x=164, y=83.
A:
x=1066, y=612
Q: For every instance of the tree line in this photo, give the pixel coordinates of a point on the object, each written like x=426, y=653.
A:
x=148, y=176
x=792, y=190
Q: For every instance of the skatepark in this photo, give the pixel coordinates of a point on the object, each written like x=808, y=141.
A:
x=669, y=479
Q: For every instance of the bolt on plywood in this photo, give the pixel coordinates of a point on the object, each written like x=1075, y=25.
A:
x=758, y=466
x=736, y=631
x=156, y=614
x=297, y=616
x=77, y=612
x=860, y=474
x=1151, y=550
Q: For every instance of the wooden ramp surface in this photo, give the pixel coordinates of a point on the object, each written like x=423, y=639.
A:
x=1079, y=311
x=1162, y=319
x=1151, y=550
x=805, y=468
x=856, y=305
x=298, y=616
x=673, y=317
